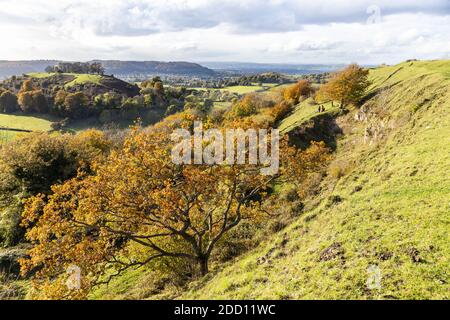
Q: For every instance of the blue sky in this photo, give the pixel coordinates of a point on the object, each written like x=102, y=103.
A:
x=274, y=31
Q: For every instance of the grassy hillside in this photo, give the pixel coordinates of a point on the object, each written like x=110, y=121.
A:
x=384, y=206
x=303, y=112
x=390, y=209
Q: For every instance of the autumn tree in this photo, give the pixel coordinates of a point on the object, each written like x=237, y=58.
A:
x=32, y=164
x=8, y=102
x=295, y=92
x=31, y=99
x=280, y=110
x=347, y=86
x=139, y=208
x=75, y=104
x=249, y=105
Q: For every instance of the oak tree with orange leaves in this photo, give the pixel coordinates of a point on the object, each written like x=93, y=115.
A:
x=347, y=86
x=138, y=207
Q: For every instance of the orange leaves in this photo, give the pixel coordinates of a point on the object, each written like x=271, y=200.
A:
x=346, y=86
x=293, y=93
x=281, y=110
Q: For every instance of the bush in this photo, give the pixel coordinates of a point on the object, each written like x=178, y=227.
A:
x=339, y=169
x=281, y=110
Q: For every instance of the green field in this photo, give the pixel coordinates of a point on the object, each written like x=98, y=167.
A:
x=84, y=78
x=41, y=75
x=222, y=105
x=242, y=89
x=25, y=122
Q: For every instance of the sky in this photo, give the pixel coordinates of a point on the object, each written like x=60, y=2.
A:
x=266, y=31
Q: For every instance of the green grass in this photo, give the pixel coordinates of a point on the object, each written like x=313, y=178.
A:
x=399, y=221
x=41, y=75
x=393, y=213
x=302, y=113
x=242, y=89
x=221, y=105
x=83, y=79
x=26, y=122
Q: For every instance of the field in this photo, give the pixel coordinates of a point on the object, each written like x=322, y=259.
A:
x=222, y=105
x=25, y=122
x=242, y=89
x=41, y=75
x=84, y=78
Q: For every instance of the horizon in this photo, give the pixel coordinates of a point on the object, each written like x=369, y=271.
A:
x=278, y=31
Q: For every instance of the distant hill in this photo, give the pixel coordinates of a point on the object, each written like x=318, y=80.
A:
x=11, y=68
x=115, y=67
x=256, y=68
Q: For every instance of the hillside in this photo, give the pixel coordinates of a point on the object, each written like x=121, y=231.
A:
x=91, y=84
x=115, y=67
x=383, y=207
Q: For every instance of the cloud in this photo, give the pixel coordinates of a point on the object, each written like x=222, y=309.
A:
x=252, y=30
x=143, y=17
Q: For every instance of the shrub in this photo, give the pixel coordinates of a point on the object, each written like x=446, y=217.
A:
x=281, y=110
x=295, y=92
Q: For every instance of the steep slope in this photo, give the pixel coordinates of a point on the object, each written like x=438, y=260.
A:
x=386, y=218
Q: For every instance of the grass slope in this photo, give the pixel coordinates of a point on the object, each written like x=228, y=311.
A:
x=390, y=210
x=302, y=113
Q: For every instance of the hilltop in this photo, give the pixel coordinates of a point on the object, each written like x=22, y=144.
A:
x=382, y=210
x=91, y=84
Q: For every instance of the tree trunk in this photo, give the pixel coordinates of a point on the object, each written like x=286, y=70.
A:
x=203, y=264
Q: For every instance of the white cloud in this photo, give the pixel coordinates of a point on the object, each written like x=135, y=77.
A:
x=247, y=30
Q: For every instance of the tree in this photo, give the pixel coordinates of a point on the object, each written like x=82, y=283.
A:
x=295, y=92
x=280, y=110
x=246, y=107
x=32, y=164
x=8, y=102
x=347, y=86
x=31, y=99
x=75, y=104
x=39, y=101
x=26, y=86
x=25, y=100
x=138, y=208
